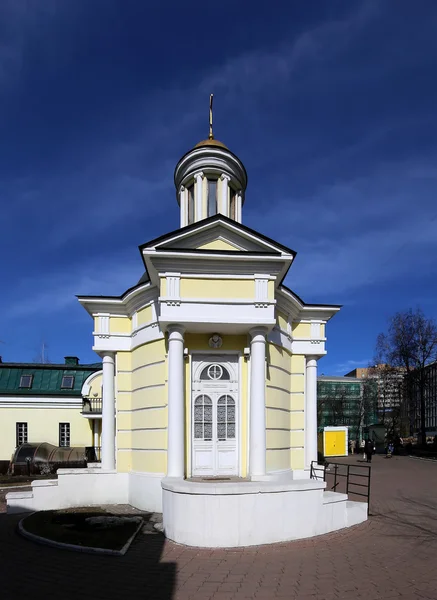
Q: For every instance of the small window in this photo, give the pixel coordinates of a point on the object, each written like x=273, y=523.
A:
x=232, y=204
x=64, y=435
x=214, y=372
x=21, y=434
x=212, y=197
x=26, y=381
x=67, y=382
x=190, y=192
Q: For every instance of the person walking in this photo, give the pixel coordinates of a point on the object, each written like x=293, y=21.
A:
x=368, y=450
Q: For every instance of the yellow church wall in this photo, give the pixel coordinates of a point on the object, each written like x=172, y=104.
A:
x=149, y=438
x=322, y=330
x=301, y=330
x=146, y=314
x=150, y=461
x=298, y=363
x=144, y=443
x=148, y=353
x=217, y=288
x=43, y=426
x=120, y=325
x=297, y=415
x=124, y=461
x=277, y=460
x=297, y=420
x=297, y=458
x=217, y=245
x=281, y=319
x=124, y=361
x=278, y=381
x=152, y=374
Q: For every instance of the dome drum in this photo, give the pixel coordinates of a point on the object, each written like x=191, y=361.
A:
x=209, y=180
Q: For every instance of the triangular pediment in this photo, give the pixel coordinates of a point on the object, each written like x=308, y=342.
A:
x=218, y=234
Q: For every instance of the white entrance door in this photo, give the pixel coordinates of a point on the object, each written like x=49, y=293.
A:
x=214, y=419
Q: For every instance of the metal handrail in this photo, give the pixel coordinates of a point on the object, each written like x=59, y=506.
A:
x=349, y=484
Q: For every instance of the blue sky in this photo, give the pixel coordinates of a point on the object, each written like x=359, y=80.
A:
x=330, y=105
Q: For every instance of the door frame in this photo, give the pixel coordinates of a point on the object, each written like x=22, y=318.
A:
x=210, y=356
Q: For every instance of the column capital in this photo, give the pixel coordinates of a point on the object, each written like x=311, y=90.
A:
x=175, y=328
x=311, y=359
x=107, y=354
x=258, y=331
x=225, y=177
x=200, y=174
x=182, y=189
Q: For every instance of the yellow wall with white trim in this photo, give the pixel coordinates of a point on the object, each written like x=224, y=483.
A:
x=218, y=245
x=285, y=386
x=142, y=393
x=146, y=314
x=301, y=330
x=120, y=325
x=217, y=288
x=43, y=426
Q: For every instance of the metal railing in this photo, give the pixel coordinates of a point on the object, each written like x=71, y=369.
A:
x=92, y=405
x=349, y=477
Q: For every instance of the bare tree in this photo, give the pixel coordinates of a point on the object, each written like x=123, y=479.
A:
x=365, y=408
x=411, y=343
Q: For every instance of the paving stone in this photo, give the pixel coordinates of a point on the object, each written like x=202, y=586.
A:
x=391, y=556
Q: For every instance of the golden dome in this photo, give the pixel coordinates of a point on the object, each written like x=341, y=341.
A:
x=211, y=142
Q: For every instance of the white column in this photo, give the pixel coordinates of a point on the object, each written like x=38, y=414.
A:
x=199, y=197
x=176, y=413
x=183, y=205
x=239, y=207
x=96, y=433
x=224, y=205
x=310, y=410
x=257, y=450
x=108, y=413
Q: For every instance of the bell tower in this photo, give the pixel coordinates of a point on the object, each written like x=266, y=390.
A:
x=210, y=179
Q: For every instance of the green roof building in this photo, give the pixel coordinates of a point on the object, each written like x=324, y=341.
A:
x=43, y=403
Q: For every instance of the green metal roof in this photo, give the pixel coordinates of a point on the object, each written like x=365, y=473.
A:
x=46, y=378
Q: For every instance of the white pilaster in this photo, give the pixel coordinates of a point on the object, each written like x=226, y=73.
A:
x=176, y=417
x=183, y=205
x=257, y=451
x=108, y=412
x=224, y=204
x=199, y=196
x=96, y=433
x=310, y=410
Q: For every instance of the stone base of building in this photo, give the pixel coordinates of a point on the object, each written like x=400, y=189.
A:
x=205, y=514
x=228, y=515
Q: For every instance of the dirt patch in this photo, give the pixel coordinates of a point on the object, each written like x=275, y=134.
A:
x=84, y=527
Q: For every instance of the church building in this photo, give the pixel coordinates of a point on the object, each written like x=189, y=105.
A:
x=210, y=379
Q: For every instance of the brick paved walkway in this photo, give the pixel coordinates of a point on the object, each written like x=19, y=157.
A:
x=393, y=555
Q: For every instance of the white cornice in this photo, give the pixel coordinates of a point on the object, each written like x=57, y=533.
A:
x=233, y=227
x=124, y=306
x=40, y=402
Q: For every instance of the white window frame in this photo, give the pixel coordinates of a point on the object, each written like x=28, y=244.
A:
x=21, y=432
x=64, y=435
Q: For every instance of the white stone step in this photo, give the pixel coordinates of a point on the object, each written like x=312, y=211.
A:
x=329, y=497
